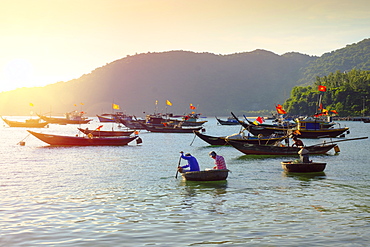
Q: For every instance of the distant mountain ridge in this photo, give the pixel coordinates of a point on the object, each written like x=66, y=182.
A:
x=216, y=84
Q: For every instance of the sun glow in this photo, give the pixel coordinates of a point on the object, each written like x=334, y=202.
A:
x=17, y=73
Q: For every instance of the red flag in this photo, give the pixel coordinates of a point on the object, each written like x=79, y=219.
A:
x=192, y=107
x=280, y=110
x=334, y=111
x=322, y=88
x=99, y=127
x=260, y=119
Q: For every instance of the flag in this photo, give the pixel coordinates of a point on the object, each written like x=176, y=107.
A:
x=325, y=112
x=192, y=107
x=255, y=122
x=322, y=88
x=31, y=104
x=334, y=111
x=260, y=119
x=116, y=107
x=99, y=127
x=280, y=110
x=168, y=103
x=156, y=102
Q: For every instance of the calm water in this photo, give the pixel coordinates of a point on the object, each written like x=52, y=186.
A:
x=128, y=196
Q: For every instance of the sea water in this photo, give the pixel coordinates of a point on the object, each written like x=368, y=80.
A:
x=129, y=196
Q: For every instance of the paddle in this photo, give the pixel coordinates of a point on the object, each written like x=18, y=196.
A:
x=177, y=172
x=351, y=139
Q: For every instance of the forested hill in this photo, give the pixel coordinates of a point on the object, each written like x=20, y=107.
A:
x=216, y=84
x=354, y=56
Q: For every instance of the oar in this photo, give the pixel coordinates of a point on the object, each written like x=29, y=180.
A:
x=177, y=172
x=351, y=139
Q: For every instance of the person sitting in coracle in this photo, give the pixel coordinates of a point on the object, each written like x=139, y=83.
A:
x=219, y=161
x=303, y=155
x=192, y=165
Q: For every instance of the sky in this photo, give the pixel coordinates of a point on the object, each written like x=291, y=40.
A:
x=47, y=41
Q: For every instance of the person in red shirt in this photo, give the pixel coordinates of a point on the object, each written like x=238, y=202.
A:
x=219, y=160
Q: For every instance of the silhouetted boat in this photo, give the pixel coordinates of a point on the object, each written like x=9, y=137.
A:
x=170, y=129
x=73, y=117
x=58, y=140
x=229, y=121
x=29, y=123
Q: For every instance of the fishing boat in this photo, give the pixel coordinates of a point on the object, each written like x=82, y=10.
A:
x=58, y=140
x=190, y=120
x=254, y=149
x=72, y=117
x=29, y=123
x=306, y=128
x=170, y=129
x=207, y=175
x=291, y=166
x=222, y=140
x=106, y=133
x=105, y=119
x=113, y=117
x=229, y=121
x=133, y=124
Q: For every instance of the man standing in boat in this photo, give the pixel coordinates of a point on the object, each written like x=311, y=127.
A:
x=297, y=142
x=219, y=161
x=192, y=163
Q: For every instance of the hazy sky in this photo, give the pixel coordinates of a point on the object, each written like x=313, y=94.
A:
x=46, y=41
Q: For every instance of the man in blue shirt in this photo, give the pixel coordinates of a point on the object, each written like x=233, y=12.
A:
x=192, y=163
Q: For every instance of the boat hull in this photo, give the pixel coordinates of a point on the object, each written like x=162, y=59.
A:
x=289, y=166
x=105, y=133
x=252, y=149
x=214, y=140
x=30, y=123
x=170, y=129
x=208, y=175
x=64, y=121
x=57, y=140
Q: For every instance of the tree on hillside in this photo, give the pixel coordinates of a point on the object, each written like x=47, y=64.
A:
x=346, y=93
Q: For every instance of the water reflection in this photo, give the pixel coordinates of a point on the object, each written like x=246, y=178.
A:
x=305, y=177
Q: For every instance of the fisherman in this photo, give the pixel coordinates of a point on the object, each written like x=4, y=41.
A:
x=192, y=165
x=219, y=161
x=297, y=142
x=303, y=155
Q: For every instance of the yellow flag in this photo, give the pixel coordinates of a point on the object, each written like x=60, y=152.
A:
x=116, y=107
x=31, y=104
x=168, y=103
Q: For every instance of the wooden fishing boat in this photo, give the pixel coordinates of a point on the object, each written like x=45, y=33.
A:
x=207, y=175
x=106, y=133
x=254, y=149
x=229, y=121
x=73, y=117
x=29, y=123
x=170, y=129
x=222, y=140
x=133, y=124
x=58, y=140
x=291, y=166
x=308, y=128
x=104, y=119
